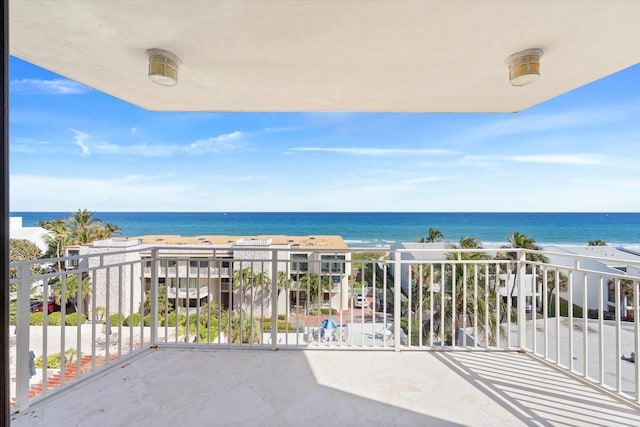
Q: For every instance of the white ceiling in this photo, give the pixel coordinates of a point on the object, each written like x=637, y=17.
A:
x=329, y=55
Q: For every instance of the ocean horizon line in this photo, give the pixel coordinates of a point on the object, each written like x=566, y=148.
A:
x=377, y=228
x=333, y=212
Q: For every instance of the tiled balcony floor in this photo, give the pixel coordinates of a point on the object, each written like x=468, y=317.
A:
x=195, y=386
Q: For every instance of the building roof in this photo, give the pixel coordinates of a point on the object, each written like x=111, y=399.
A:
x=325, y=55
x=303, y=242
x=614, y=253
x=36, y=235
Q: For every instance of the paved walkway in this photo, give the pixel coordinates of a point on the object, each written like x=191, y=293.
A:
x=195, y=386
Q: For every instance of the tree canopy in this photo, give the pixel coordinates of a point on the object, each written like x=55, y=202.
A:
x=22, y=250
x=433, y=235
x=79, y=228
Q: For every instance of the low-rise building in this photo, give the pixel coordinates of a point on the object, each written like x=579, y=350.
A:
x=231, y=271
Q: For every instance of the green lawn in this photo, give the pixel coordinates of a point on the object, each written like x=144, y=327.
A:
x=564, y=309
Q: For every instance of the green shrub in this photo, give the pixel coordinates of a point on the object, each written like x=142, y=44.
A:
x=314, y=311
x=282, y=317
x=415, y=330
x=282, y=326
x=134, y=319
x=193, y=319
x=116, y=319
x=171, y=319
x=147, y=320
x=72, y=319
x=54, y=319
x=100, y=315
x=53, y=360
x=35, y=319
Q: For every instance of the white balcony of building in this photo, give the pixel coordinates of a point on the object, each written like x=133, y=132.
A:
x=458, y=354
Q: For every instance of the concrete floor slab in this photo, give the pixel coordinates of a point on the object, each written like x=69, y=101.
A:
x=195, y=386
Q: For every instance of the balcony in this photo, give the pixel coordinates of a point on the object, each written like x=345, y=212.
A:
x=438, y=335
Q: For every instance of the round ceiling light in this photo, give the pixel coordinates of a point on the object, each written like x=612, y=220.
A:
x=524, y=67
x=163, y=67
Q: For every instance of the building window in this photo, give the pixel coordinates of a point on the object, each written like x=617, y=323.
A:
x=72, y=263
x=332, y=267
x=184, y=283
x=612, y=291
x=299, y=266
x=196, y=264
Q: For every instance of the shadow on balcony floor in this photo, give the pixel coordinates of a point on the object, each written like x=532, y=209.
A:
x=539, y=394
x=316, y=387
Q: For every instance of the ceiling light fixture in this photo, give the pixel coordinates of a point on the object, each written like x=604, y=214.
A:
x=524, y=67
x=163, y=67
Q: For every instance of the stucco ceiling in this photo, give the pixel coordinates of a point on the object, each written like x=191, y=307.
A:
x=286, y=55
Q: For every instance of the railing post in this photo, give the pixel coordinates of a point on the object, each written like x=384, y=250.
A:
x=274, y=300
x=154, y=298
x=22, y=339
x=397, y=301
x=522, y=300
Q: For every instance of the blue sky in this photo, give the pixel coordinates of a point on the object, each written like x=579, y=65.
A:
x=73, y=147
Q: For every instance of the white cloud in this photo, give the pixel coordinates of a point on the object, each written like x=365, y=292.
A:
x=89, y=147
x=49, y=87
x=378, y=151
x=152, y=193
x=28, y=145
x=80, y=140
x=215, y=144
x=564, y=159
x=535, y=123
x=424, y=180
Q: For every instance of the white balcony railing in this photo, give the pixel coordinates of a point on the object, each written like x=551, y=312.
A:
x=456, y=299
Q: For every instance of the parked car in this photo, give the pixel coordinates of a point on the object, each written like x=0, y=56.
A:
x=360, y=301
x=37, y=306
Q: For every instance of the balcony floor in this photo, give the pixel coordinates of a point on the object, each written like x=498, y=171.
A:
x=196, y=386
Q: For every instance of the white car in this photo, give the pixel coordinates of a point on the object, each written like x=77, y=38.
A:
x=360, y=301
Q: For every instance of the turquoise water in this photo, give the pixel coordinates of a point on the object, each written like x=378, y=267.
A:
x=377, y=229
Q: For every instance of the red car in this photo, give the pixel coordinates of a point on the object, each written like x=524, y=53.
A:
x=37, y=306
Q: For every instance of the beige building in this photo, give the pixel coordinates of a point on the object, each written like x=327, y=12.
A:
x=232, y=271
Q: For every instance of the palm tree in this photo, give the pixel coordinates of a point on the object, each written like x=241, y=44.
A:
x=552, y=284
x=460, y=293
x=315, y=286
x=434, y=235
x=71, y=291
x=247, y=277
x=253, y=286
x=84, y=227
x=79, y=228
x=57, y=242
x=626, y=292
x=521, y=241
x=107, y=231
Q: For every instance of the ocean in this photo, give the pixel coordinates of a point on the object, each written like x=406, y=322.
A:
x=376, y=229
